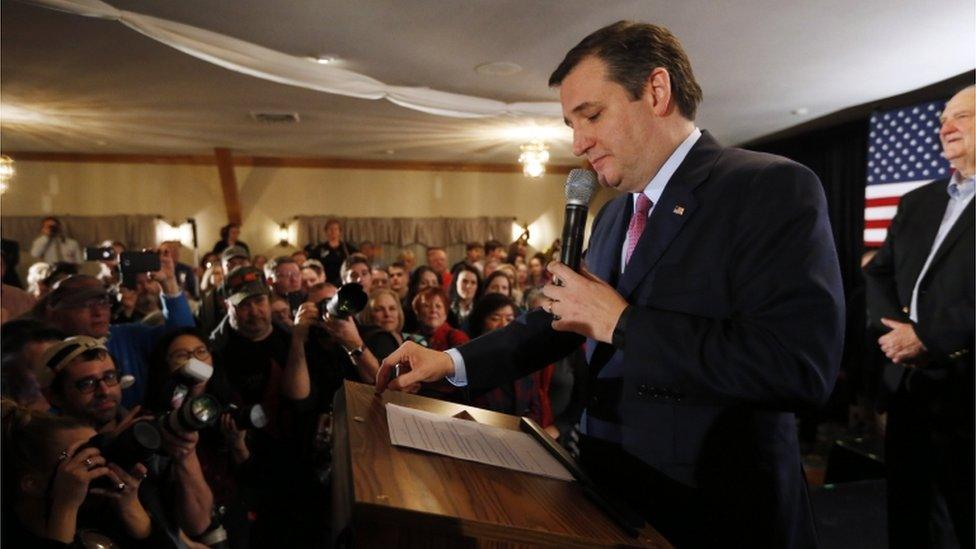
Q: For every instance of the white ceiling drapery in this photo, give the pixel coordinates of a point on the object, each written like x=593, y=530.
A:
x=244, y=57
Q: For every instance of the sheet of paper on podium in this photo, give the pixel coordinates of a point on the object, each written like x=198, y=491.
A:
x=472, y=441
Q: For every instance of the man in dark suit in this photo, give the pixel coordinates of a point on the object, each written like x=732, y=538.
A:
x=712, y=308
x=920, y=289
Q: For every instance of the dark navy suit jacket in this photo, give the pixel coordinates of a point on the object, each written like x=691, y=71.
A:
x=738, y=322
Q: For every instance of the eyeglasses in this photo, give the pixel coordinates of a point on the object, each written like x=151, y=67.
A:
x=87, y=385
x=90, y=303
x=181, y=357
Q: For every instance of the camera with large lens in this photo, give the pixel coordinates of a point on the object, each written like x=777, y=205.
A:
x=348, y=301
x=133, y=445
x=195, y=413
x=248, y=417
x=184, y=379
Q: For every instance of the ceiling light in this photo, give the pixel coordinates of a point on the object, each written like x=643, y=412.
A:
x=498, y=68
x=534, y=156
x=527, y=131
x=324, y=59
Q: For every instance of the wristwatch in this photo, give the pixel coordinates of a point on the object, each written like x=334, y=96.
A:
x=355, y=353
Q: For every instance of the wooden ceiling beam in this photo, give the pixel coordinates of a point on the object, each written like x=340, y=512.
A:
x=228, y=184
x=281, y=162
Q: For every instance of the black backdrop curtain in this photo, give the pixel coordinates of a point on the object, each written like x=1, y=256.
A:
x=838, y=155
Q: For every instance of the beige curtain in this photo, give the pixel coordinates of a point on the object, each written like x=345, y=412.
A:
x=135, y=231
x=404, y=231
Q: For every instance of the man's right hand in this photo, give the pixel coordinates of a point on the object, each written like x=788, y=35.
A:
x=306, y=317
x=417, y=364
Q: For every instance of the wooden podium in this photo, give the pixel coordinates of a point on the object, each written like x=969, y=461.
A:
x=388, y=496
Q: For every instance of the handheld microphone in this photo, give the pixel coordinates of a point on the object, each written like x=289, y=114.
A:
x=580, y=187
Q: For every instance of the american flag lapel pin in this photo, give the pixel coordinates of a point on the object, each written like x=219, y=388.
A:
x=678, y=210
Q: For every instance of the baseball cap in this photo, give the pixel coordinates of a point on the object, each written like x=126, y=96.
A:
x=234, y=251
x=76, y=291
x=244, y=282
x=59, y=355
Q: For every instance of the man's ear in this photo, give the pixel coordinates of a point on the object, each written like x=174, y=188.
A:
x=657, y=91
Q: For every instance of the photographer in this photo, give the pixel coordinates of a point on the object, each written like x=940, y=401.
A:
x=52, y=246
x=253, y=352
x=207, y=466
x=48, y=472
x=336, y=347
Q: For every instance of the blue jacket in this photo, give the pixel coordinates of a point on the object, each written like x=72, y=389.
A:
x=131, y=344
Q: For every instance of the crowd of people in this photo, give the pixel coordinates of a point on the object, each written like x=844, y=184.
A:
x=192, y=404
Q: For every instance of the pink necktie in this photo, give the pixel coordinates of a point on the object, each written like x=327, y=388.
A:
x=637, y=223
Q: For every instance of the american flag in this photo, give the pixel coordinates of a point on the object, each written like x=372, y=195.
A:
x=904, y=152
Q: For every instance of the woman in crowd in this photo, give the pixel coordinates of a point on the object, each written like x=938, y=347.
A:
x=515, y=290
x=312, y=273
x=523, y=396
x=421, y=278
x=229, y=236
x=49, y=498
x=221, y=455
x=465, y=291
x=384, y=312
x=538, y=275
x=498, y=282
x=431, y=308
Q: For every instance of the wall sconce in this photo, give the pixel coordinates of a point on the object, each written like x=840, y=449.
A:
x=185, y=233
x=6, y=172
x=281, y=233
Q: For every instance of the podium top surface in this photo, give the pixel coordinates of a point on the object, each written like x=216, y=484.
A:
x=404, y=486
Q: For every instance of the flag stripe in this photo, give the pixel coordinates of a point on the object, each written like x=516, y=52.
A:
x=886, y=201
x=875, y=236
x=893, y=189
x=873, y=214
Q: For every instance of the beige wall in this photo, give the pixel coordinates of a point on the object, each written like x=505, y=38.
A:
x=270, y=196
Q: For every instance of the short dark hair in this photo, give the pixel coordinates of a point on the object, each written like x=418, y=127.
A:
x=355, y=259
x=631, y=51
x=473, y=246
x=280, y=260
x=493, y=245
x=484, y=308
x=225, y=230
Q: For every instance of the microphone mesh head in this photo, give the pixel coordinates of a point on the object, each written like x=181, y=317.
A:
x=580, y=186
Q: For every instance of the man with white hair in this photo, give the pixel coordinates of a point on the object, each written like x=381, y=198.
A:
x=920, y=287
